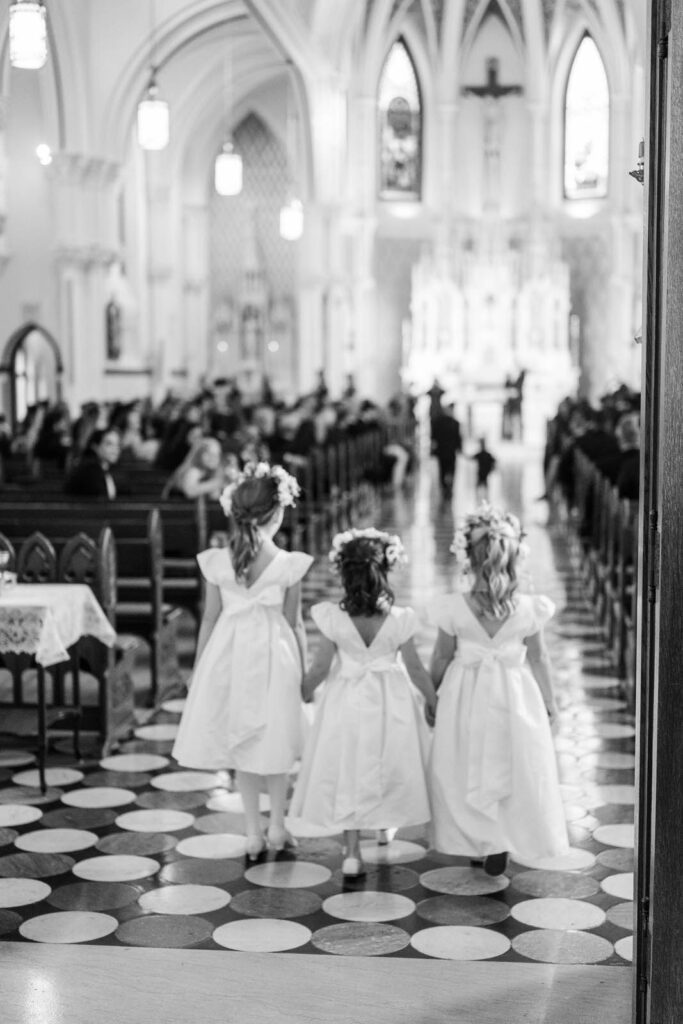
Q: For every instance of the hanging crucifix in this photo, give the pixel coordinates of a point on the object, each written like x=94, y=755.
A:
x=490, y=94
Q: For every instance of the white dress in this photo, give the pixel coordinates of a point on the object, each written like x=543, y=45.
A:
x=492, y=772
x=364, y=762
x=244, y=707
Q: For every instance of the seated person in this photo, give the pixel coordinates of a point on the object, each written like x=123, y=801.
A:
x=201, y=472
x=93, y=476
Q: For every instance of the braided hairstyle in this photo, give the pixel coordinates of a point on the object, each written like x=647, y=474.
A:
x=254, y=501
x=364, y=568
x=493, y=551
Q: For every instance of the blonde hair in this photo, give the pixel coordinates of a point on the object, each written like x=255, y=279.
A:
x=492, y=541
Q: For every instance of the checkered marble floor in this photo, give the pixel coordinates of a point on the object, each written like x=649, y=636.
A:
x=133, y=851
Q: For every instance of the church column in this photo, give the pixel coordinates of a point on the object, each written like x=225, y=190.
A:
x=195, y=290
x=4, y=255
x=312, y=282
x=365, y=337
x=84, y=204
x=163, y=340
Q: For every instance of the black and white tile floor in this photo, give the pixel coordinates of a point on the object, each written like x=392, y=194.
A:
x=133, y=851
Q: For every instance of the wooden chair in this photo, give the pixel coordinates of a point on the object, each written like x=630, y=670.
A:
x=37, y=560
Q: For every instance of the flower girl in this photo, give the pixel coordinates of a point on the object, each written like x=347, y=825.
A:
x=493, y=775
x=244, y=706
x=364, y=762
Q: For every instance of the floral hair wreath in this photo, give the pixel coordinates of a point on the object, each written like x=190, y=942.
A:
x=487, y=521
x=394, y=552
x=287, y=486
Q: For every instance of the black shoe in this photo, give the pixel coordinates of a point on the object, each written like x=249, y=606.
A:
x=474, y=863
x=496, y=863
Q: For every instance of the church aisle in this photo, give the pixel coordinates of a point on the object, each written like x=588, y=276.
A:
x=132, y=852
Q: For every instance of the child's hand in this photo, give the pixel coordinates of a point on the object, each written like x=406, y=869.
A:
x=307, y=692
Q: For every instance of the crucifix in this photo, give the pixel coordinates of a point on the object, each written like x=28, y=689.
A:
x=490, y=94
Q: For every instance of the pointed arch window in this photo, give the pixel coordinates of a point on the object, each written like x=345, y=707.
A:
x=400, y=127
x=586, y=125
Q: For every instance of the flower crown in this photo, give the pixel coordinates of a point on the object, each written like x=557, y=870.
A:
x=394, y=552
x=486, y=521
x=287, y=486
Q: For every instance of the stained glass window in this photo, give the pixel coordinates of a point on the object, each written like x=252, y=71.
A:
x=400, y=127
x=586, y=125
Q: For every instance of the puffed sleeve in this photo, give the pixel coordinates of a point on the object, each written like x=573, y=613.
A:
x=324, y=615
x=542, y=609
x=296, y=567
x=215, y=565
x=440, y=614
x=407, y=624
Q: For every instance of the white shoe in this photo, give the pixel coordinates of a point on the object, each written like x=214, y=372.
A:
x=385, y=835
x=353, y=867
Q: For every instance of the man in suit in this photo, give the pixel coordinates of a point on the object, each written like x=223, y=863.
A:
x=446, y=443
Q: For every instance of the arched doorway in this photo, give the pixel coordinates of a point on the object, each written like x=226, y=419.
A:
x=32, y=366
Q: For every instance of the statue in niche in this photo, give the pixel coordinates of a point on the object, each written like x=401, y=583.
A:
x=113, y=329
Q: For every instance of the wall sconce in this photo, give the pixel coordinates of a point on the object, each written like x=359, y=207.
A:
x=639, y=172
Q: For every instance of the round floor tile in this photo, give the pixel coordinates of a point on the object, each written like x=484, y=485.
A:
x=606, y=704
x=555, y=883
x=7, y=836
x=396, y=852
x=619, y=885
x=175, y=706
x=320, y=850
x=28, y=796
x=213, y=846
x=463, y=882
x=184, y=899
x=53, y=777
x=615, y=814
x=34, y=865
x=115, y=868
x=369, y=906
x=379, y=878
x=615, y=794
x=134, y=763
x=467, y=911
x=305, y=830
x=175, y=801
x=124, y=780
x=276, y=903
x=16, y=758
x=137, y=844
x=574, y=812
x=21, y=892
x=68, y=926
x=79, y=817
x=559, y=913
x=182, y=782
x=106, y=796
x=93, y=896
x=621, y=914
x=562, y=947
x=9, y=922
x=612, y=730
x=56, y=840
x=157, y=733
x=574, y=860
x=167, y=931
x=155, y=821
x=616, y=835
x=450, y=942
x=261, y=936
x=617, y=860
x=287, y=874
x=201, y=872
x=18, y=814
x=624, y=948
x=360, y=939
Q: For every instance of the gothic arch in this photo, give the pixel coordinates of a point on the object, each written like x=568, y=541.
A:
x=9, y=359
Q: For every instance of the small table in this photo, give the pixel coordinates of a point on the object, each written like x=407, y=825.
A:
x=43, y=621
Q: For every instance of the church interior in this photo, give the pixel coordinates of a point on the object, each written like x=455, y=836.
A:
x=320, y=233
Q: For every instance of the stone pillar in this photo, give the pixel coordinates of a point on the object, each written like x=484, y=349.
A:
x=4, y=255
x=196, y=340
x=163, y=327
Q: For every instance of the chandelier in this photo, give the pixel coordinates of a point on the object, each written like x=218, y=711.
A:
x=27, y=34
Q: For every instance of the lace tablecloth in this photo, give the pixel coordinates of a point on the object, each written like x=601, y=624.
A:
x=45, y=619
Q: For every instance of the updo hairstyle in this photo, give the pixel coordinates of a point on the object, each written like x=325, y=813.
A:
x=363, y=568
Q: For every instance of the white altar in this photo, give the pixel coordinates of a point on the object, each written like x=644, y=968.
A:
x=492, y=303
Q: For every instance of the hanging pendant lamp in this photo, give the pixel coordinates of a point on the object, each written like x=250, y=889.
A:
x=154, y=120
x=27, y=34
x=228, y=171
